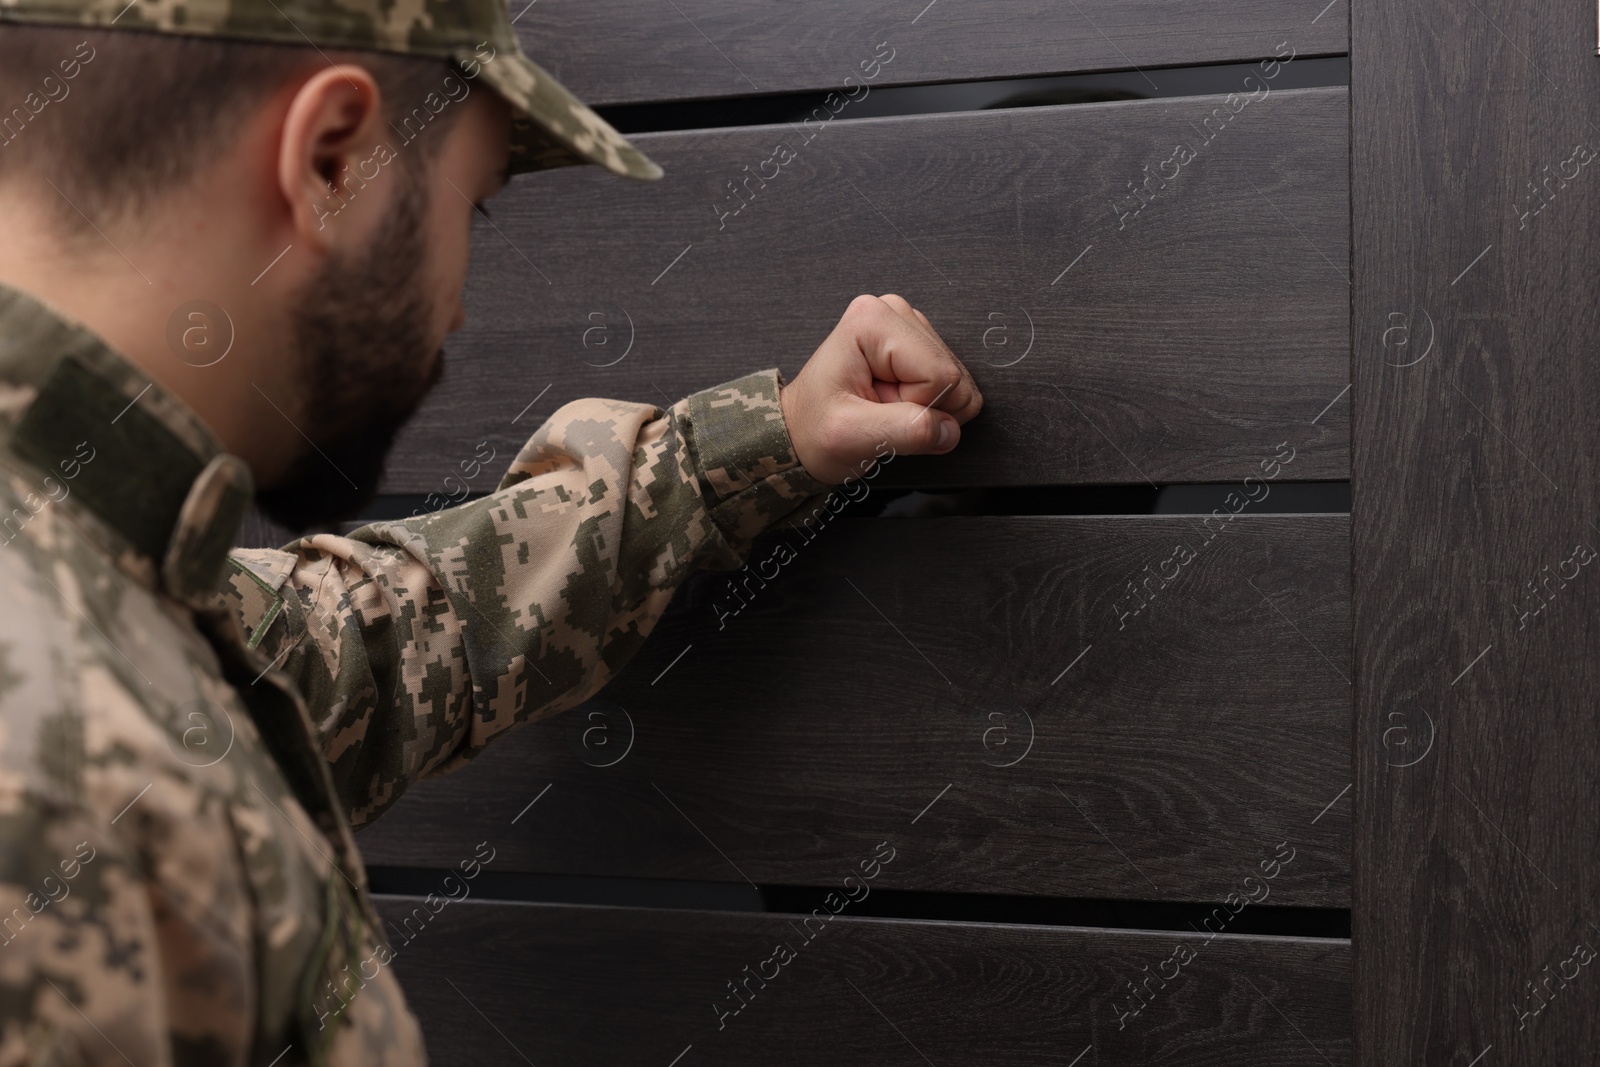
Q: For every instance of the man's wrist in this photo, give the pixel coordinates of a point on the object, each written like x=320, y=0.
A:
x=741, y=434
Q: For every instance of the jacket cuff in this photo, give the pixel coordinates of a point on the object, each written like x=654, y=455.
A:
x=745, y=458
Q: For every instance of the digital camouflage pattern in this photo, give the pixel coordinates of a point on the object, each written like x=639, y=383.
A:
x=551, y=127
x=452, y=627
x=188, y=736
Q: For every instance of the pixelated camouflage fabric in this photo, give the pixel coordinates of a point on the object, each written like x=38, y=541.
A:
x=178, y=879
x=416, y=642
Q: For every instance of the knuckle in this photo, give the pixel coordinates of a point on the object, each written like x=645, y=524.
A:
x=869, y=313
x=864, y=305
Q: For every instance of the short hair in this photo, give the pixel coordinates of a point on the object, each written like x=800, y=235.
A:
x=115, y=118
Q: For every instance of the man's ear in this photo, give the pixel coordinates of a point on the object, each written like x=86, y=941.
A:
x=331, y=124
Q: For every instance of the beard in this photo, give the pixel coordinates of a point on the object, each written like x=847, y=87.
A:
x=365, y=362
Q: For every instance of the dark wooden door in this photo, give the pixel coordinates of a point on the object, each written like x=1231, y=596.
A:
x=1039, y=753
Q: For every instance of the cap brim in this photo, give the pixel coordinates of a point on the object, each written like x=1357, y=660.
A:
x=552, y=128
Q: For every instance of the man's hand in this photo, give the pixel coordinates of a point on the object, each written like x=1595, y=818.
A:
x=883, y=375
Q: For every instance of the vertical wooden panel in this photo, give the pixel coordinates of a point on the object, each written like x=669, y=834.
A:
x=1474, y=517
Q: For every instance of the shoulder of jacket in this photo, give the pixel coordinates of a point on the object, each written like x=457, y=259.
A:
x=252, y=587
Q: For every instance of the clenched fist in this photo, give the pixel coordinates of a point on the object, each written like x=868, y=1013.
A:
x=883, y=375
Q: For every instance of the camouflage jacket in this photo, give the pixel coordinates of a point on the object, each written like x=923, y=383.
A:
x=190, y=734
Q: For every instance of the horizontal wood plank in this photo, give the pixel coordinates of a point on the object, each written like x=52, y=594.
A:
x=621, y=51
x=1173, y=347
x=508, y=983
x=988, y=691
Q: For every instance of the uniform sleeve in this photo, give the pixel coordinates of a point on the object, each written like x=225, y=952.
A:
x=416, y=642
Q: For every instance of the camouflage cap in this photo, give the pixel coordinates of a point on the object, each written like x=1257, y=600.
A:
x=551, y=127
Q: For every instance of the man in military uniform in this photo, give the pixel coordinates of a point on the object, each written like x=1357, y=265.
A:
x=191, y=733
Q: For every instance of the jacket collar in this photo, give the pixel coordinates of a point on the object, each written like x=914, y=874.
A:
x=99, y=435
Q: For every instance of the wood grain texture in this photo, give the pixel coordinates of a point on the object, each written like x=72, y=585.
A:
x=1474, y=504
x=887, y=681
x=621, y=51
x=508, y=983
x=1172, y=346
